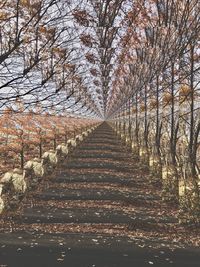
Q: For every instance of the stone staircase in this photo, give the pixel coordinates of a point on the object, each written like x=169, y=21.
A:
x=97, y=209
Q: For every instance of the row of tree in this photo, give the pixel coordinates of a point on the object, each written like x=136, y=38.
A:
x=156, y=95
x=27, y=135
x=40, y=61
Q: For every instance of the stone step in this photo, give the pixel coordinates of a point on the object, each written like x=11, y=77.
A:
x=92, y=194
x=64, y=177
x=102, y=134
x=97, y=165
x=100, y=148
x=89, y=215
x=98, y=153
x=88, y=250
x=122, y=157
x=101, y=142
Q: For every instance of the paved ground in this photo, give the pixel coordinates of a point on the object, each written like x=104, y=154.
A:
x=97, y=209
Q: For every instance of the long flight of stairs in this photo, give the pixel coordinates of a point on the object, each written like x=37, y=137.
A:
x=97, y=209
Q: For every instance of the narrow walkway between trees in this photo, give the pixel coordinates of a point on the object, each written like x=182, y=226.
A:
x=97, y=209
